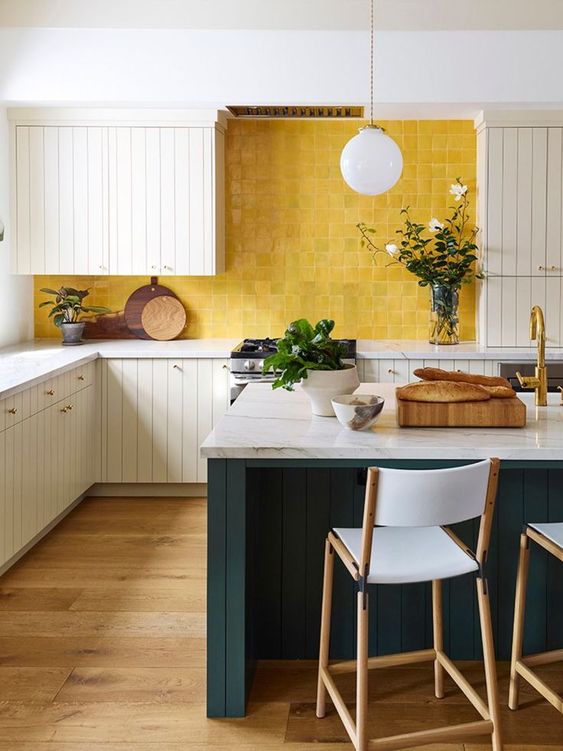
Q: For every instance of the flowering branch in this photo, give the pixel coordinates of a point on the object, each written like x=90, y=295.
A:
x=448, y=257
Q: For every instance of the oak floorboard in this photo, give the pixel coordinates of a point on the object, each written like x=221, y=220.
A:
x=92, y=651
x=92, y=577
x=134, y=685
x=72, y=623
x=144, y=599
x=37, y=599
x=32, y=685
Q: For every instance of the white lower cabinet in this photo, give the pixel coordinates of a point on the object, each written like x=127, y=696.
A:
x=47, y=460
x=401, y=370
x=155, y=415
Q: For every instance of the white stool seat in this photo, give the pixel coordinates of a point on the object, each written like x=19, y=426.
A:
x=401, y=555
x=552, y=530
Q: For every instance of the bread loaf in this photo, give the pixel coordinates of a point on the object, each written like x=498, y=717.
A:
x=442, y=391
x=500, y=392
x=437, y=374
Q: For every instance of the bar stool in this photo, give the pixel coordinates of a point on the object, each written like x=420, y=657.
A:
x=549, y=536
x=411, y=545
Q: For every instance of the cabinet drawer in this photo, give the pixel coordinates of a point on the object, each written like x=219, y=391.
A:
x=81, y=377
x=15, y=409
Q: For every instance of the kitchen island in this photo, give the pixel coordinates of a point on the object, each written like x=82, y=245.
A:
x=280, y=478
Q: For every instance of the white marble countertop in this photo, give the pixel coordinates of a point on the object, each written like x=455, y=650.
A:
x=25, y=364
x=267, y=424
x=373, y=349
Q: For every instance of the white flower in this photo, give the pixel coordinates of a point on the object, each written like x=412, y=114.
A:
x=458, y=191
x=391, y=249
x=434, y=225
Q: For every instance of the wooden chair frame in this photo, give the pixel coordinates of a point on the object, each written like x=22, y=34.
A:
x=521, y=667
x=359, y=570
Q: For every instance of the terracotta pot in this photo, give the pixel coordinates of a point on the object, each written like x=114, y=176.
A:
x=321, y=386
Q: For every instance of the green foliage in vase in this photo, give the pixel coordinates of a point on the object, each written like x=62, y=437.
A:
x=439, y=252
x=67, y=307
x=304, y=347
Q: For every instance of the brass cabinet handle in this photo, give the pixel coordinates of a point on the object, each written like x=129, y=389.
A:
x=64, y=409
x=547, y=268
x=177, y=367
x=13, y=410
x=69, y=406
x=80, y=377
x=50, y=392
x=392, y=372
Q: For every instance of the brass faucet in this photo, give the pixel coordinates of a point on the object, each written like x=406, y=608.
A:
x=539, y=380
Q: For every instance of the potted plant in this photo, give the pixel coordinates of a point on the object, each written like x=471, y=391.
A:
x=307, y=355
x=66, y=309
x=443, y=261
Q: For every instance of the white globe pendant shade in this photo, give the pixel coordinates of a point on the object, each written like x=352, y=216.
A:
x=371, y=162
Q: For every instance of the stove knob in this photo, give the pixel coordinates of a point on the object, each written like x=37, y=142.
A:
x=249, y=365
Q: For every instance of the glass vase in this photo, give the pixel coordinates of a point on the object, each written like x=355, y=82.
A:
x=444, y=317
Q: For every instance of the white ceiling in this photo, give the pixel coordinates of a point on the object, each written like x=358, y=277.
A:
x=392, y=15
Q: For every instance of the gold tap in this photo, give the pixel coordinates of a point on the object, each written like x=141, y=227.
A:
x=539, y=380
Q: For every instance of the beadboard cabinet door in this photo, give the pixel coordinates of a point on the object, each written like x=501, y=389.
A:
x=60, y=196
x=520, y=175
x=155, y=415
x=165, y=201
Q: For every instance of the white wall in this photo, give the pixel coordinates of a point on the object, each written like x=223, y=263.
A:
x=16, y=292
x=455, y=73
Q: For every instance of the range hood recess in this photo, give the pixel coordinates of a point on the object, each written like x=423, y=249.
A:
x=296, y=111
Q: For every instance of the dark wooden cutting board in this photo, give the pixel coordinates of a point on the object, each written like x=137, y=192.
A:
x=136, y=302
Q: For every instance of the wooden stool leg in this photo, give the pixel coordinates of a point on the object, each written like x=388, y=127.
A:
x=362, y=674
x=489, y=659
x=438, y=629
x=519, y=612
x=326, y=612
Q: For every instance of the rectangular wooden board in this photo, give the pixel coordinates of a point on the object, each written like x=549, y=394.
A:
x=494, y=413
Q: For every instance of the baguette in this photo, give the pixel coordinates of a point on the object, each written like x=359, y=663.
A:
x=442, y=391
x=500, y=392
x=437, y=374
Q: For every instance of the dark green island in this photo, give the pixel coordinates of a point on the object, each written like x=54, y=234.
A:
x=279, y=479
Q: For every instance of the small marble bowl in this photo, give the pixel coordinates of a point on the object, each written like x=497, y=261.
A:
x=358, y=411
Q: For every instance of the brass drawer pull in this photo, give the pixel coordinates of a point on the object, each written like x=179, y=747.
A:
x=80, y=377
x=177, y=367
x=547, y=268
x=64, y=409
x=13, y=410
x=50, y=392
x=69, y=406
x=392, y=372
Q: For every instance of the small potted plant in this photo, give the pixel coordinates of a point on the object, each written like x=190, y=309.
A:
x=307, y=355
x=66, y=309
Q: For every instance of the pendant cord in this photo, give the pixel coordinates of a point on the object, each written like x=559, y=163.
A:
x=371, y=64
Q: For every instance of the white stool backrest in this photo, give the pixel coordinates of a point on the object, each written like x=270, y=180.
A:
x=431, y=497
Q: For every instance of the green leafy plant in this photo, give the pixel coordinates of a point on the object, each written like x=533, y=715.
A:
x=447, y=256
x=67, y=307
x=304, y=347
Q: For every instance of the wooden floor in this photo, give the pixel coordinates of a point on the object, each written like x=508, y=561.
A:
x=102, y=648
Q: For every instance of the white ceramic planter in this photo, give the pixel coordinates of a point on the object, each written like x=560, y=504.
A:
x=322, y=385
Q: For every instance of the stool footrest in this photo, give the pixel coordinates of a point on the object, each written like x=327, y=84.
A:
x=535, y=681
x=339, y=704
x=385, y=661
x=463, y=684
x=436, y=735
x=542, y=658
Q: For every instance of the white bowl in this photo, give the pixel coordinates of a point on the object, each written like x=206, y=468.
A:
x=358, y=411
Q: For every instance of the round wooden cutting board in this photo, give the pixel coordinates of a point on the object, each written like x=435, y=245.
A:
x=163, y=318
x=136, y=302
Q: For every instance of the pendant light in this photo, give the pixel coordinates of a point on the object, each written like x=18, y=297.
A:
x=371, y=162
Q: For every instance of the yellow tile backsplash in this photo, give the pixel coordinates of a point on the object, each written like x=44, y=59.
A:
x=293, y=249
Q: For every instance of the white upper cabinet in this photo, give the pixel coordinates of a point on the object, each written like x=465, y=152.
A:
x=114, y=192
x=520, y=175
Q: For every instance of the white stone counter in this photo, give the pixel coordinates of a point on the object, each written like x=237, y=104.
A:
x=267, y=424
x=29, y=363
